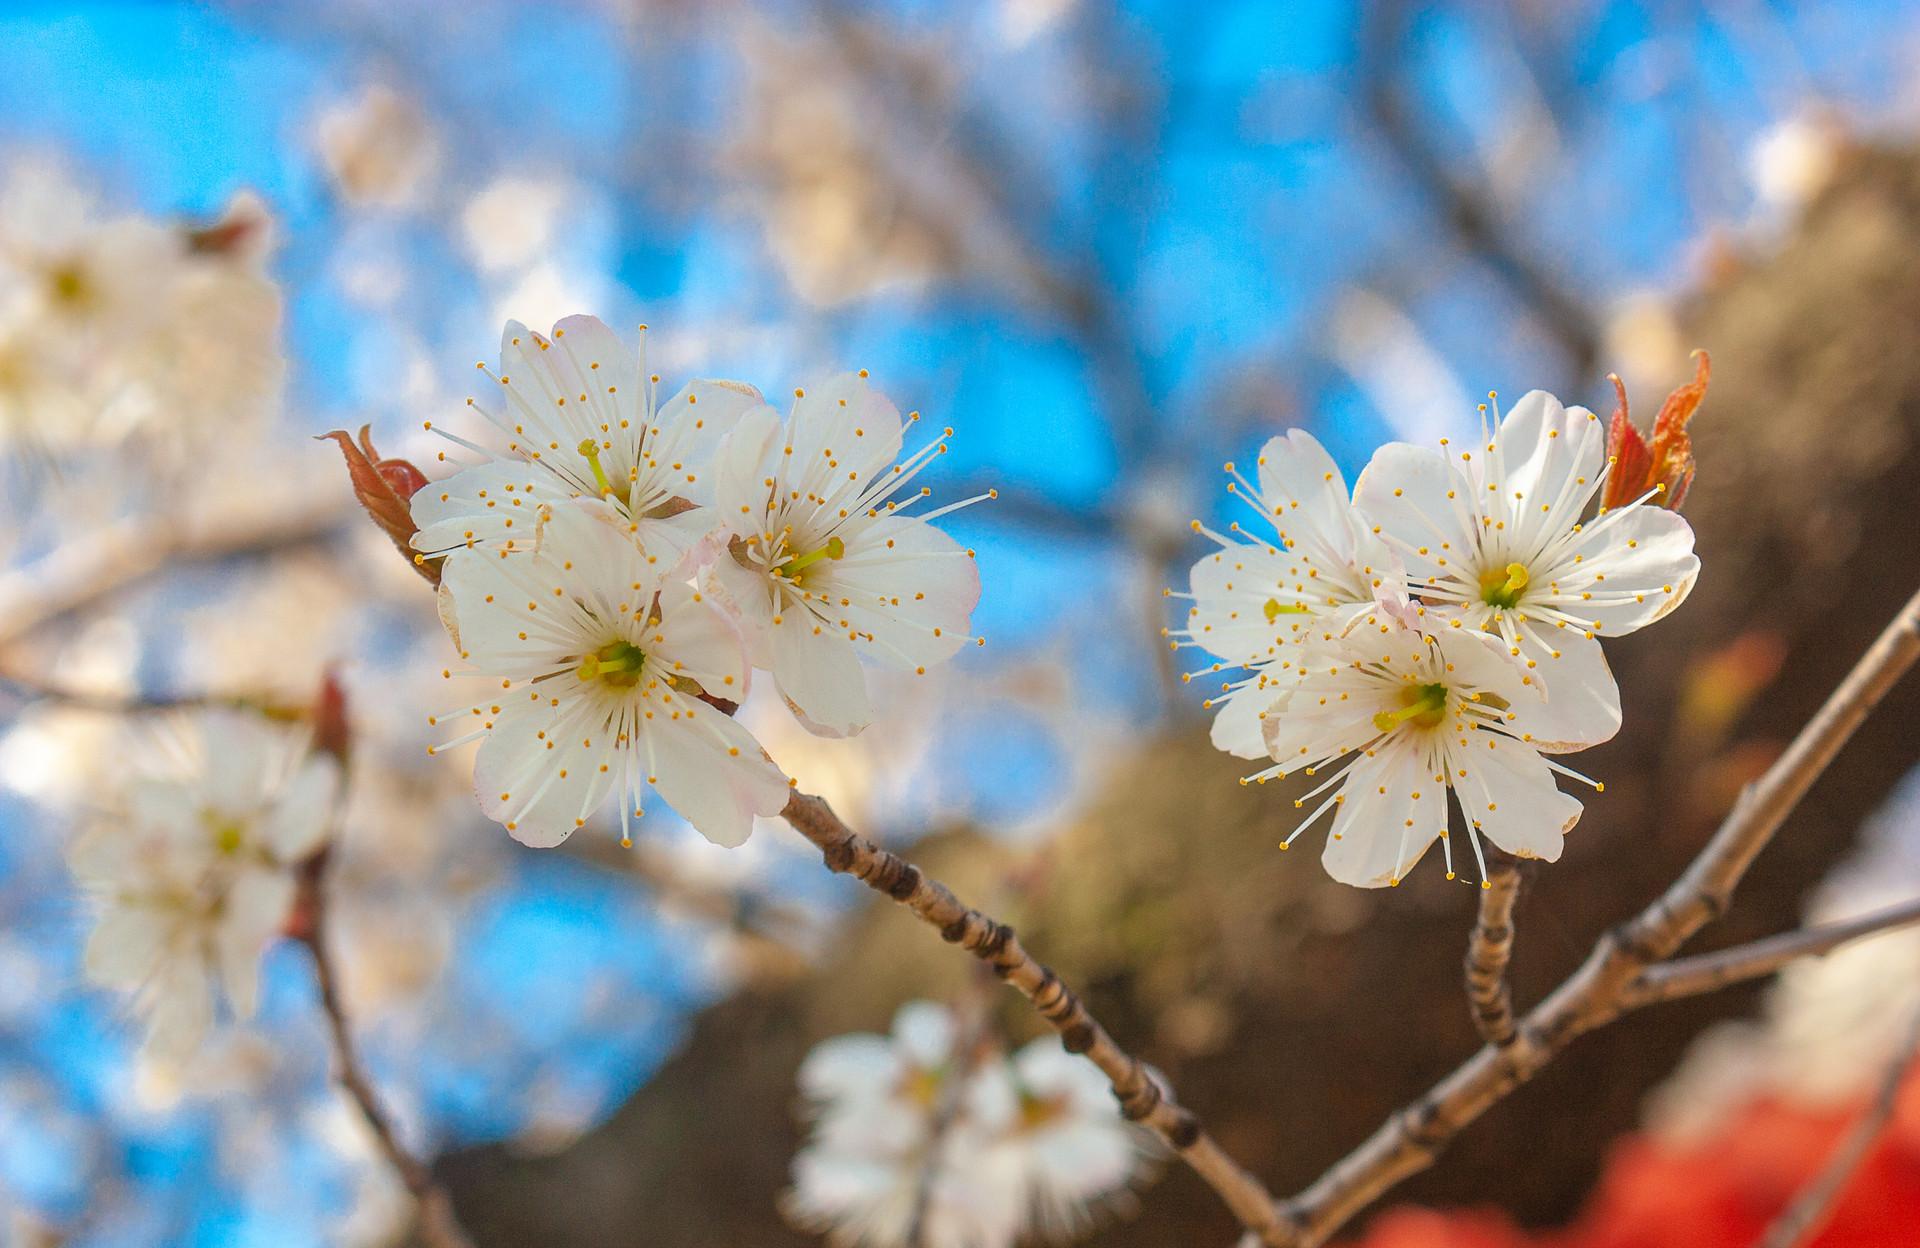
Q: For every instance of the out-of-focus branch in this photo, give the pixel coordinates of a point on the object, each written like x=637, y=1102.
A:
x=108, y=560
x=28, y=689
x=1809, y=1210
x=1689, y=977
x=1489, y=950
x=438, y=1226
x=1141, y=1095
x=1599, y=991
x=1474, y=219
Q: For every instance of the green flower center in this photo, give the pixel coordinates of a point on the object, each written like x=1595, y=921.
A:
x=1423, y=706
x=793, y=568
x=1502, y=587
x=616, y=664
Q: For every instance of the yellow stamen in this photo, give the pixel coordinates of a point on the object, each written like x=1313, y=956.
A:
x=834, y=549
x=1503, y=589
x=591, y=449
x=1424, y=705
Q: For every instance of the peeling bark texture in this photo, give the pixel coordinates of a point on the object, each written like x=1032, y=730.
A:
x=1294, y=1014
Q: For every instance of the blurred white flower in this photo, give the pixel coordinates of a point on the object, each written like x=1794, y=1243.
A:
x=1792, y=160
x=510, y=224
x=190, y=870
x=824, y=565
x=596, y=674
x=379, y=147
x=929, y=1130
x=120, y=326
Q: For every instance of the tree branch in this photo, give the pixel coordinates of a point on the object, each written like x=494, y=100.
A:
x=1142, y=1097
x=1596, y=994
x=1690, y=977
x=438, y=1226
x=1489, y=949
x=1809, y=1210
x=31, y=689
x=110, y=559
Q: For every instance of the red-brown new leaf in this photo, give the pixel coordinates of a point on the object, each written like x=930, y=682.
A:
x=384, y=487
x=1666, y=461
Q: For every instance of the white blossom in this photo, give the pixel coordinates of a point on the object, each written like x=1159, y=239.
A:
x=578, y=417
x=931, y=1124
x=1255, y=602
x=191, y=872
x=825, y=563
x=595, y=671
x=1493, y=540
x=1413, y=715
x=113, y=326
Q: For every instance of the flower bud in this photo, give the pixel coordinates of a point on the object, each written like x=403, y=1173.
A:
x=383, y=487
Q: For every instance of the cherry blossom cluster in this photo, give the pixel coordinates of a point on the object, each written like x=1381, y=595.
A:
x=192, y=865
x=617, y=564
x=1438, y=631
x=932, y=1136
x=112, y=326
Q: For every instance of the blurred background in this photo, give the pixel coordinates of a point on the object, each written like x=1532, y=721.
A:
x=1113, y=246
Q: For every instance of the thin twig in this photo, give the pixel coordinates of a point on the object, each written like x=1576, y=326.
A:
x=438, y=1226
x=1597, y=993
x=1142, y=1097
x=1489, y=950
x=1809, y=1210
x=30, y=689
x=968, y=1043
x=1690, y=977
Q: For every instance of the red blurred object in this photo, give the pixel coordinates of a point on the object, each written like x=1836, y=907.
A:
x=1721, y=1191
x=1666, y=461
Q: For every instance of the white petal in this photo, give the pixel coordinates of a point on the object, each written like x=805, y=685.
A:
x=1550, y=454
x=1645, y=554
x=696, y=638
x=905, y=583
x=1404, y=489
x=711, y=770
x=125, y=946
x=1231, y=589
x=297, y=823
x=543, y=769
x=846, y=1066
x=1382, y=828
x=1509, y=794
x=689, y=428
x=1311, y=720
x=924, y=1032
x=256, y=905
x=490, y=504
x=1582, y=706
x=1304, y=491
x=844, y=434
x=1239, y=727
x=819, y=675
x=746, y=459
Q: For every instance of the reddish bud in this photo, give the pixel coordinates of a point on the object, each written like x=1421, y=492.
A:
x=332, y=730
x=1666, y=461
x=383, y=487
x=244, y=230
